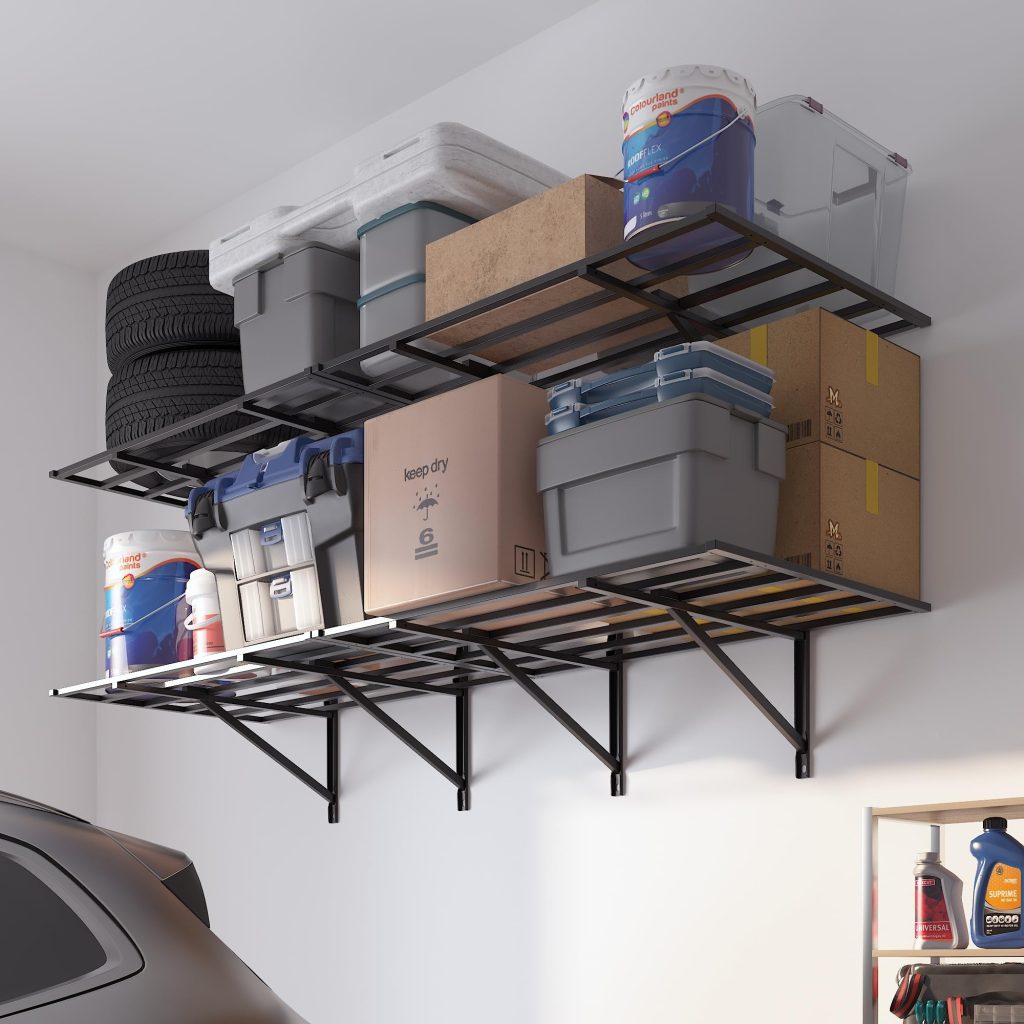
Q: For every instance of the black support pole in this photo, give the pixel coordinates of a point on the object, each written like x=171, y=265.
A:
x=463, y=737
x=802, y=702
x=617, y=722
x=462, y=748
x=333, y=763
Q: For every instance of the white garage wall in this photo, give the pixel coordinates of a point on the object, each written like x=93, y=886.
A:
x=550, y=902
x=47, y=326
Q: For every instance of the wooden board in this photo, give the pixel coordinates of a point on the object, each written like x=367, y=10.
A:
x=948, y=954
x=954, y=813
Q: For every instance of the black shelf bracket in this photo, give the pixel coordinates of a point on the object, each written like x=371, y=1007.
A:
x=797, y=733
x=458, y=776
x=612, y=756
x=328, y=792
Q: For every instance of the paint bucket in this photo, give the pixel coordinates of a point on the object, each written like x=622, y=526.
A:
x=688, y=141
x=146, y=573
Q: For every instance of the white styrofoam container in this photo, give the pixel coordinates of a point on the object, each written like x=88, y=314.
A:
x=447, y=163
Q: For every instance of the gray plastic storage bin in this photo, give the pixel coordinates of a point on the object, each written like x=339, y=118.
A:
x=390, y=310
x=392, y=276
x=394, y=308
x=296, y=312
x=394, y=246
x=283, y=535
x=648, y=483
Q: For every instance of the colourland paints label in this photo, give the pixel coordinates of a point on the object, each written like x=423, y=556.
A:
x=1003, y=900
x=931, y=915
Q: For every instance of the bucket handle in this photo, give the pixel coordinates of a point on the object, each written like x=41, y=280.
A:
x=213, y=620
x=106, y=634
x=686, y=152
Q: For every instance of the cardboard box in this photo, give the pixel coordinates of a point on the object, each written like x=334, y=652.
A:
x=567, y=223
x=452, y=508
x=837, y=383
x=850, y=516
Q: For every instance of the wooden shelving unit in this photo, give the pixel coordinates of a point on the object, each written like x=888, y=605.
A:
x=937, y=814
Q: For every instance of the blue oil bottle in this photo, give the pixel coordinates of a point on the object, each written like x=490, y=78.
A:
x=996, y=921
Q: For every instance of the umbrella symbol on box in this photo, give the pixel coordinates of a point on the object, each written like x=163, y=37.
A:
x=425, y=502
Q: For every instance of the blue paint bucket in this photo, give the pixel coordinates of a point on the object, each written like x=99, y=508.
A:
x=688, y=141
x=144, y=590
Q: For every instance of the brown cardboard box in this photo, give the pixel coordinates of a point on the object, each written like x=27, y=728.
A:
x=452, y=508
x=554, y=229
x=837, y=383
x=846, y=515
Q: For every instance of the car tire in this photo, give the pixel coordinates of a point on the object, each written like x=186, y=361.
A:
x=159, y=390
x=166, y=302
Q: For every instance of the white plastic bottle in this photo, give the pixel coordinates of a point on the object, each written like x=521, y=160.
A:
x=204, y=621
x=939, y=919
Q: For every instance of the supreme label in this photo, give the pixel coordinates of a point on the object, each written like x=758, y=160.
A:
x=1003, y=900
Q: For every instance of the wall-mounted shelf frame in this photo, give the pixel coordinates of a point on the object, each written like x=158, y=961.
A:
x=327, y=399
x=706, y=598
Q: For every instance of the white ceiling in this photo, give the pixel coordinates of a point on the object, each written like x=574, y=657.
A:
x=120, y=119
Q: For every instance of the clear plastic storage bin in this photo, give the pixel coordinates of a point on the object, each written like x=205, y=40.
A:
x=826, y=187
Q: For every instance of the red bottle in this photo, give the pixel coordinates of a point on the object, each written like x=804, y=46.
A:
x=939, y=920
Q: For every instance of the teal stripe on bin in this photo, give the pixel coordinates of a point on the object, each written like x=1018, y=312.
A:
x=408, y=208
x=386, y=289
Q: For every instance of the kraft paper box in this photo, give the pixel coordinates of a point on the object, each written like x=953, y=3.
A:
x=850, y=516
x=452, y=508
x=837, y=383
x=565, y=224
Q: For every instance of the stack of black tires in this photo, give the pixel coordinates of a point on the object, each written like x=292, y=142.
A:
x=172, y=348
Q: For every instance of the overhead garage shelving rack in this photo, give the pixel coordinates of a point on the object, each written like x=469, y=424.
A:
x=705, y=598
x=325, y=400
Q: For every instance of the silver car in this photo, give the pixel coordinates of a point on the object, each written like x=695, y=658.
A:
x=100, y=928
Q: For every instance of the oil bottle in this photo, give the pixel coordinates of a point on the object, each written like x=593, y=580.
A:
x=939, y=921
x=996, y=921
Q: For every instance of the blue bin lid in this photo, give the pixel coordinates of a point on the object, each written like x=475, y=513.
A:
x=279, y=465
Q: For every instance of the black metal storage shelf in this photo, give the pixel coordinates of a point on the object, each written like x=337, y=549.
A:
x=324, y=400
x=705, y=598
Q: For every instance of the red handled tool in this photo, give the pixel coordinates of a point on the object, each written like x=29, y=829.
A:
x=907, y=994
